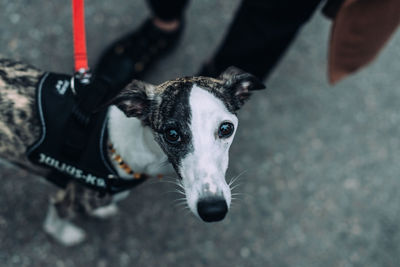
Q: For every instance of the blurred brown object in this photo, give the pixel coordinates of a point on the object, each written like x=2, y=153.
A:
x=360, y=29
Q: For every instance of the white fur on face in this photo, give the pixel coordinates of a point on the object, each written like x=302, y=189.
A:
x=203, y=170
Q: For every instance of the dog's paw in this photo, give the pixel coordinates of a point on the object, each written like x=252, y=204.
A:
x=63, y=231
x=105, y=212
x=67, y=235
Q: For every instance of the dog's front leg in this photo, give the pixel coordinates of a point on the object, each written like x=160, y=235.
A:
x=111, y=209
x=62, y=209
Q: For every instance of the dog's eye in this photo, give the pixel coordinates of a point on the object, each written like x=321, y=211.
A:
x=172, y=136
x=225, y=130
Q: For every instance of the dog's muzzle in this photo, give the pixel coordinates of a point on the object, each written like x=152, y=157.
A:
x=212, y=209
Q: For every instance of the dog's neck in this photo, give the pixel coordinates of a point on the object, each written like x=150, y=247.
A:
x=135, y=144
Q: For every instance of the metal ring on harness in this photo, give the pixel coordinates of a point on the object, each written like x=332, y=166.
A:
x=83, y=76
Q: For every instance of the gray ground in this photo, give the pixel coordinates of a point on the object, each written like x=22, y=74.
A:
x=322, y=174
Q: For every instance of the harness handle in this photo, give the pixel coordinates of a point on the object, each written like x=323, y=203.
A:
x=79, y=35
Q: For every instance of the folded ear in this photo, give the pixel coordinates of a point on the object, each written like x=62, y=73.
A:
x=135, y=99
x=239, y=85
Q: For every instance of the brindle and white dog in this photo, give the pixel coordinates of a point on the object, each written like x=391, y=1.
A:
x=189, y=122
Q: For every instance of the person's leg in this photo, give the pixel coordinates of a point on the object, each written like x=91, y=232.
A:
x=259, y=35
x=130, y=57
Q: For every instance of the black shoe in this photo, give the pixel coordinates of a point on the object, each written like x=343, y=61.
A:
x=131, y=56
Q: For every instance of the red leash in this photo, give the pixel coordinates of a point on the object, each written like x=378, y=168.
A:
x=78, y=19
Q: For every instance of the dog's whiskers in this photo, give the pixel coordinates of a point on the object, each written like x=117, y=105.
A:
x=239, y=194
x=174, y=181
x=180, y=184
x=234, y=196
x=168, y=181
x=175, y=192
x=235, y=186
x=179, y=199
x=238, y=198
x=235, y=178
x=180, y=192
x=180, y=204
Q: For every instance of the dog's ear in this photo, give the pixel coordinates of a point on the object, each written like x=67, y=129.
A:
x=239, y=85
x=135, y=99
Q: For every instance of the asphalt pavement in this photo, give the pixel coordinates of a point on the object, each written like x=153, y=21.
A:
x=319, y=165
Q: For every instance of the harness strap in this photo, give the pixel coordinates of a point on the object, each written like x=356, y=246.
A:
x=90, y=96
x=78, y=24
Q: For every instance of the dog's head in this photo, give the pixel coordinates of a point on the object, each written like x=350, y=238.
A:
x=194, y=122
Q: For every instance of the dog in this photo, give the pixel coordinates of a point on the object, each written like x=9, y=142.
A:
x=189, y=122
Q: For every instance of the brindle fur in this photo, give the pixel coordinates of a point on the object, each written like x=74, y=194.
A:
x=19, y=124
x=20, y=128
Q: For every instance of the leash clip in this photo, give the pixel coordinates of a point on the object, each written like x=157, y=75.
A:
x=82, y=76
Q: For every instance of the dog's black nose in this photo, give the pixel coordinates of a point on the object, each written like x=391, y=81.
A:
x=212, y=209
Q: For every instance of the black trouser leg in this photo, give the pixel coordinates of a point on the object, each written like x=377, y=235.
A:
x=259, y=35
x=168, y=10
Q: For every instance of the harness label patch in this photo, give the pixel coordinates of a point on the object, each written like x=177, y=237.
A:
x=62, y=86
x=71, y=170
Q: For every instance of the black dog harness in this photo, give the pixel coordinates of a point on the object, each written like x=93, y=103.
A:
x=73, y=142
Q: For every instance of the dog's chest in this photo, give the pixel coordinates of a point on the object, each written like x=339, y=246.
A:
x=19, y=123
